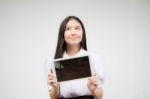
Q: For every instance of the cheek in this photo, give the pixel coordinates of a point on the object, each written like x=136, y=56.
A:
x=65, y=36
x=81, y=35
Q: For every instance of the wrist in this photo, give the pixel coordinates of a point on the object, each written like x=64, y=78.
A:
x=97, y=93
x=55, y=91
x=55, y=88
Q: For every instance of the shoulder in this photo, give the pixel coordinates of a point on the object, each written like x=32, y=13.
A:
x=49, y=61
x=95, y=57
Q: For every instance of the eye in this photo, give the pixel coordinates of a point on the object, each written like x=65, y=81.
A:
x=78, y=28
x=67, y=28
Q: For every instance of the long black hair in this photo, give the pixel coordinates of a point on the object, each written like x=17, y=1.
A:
x=61, y=44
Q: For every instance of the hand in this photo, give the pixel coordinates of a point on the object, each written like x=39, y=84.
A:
x=52, y=79
x=92, y=83
x=54, y=93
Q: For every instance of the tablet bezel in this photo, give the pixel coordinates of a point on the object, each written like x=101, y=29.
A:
x=61, y=59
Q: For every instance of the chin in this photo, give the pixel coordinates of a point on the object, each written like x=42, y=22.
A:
x=74, y=43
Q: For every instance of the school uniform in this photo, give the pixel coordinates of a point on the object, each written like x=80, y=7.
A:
x=77, y=89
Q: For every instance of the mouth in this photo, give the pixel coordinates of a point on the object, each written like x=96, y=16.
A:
x=74, y=38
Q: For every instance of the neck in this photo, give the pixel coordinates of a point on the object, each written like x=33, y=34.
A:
x=72, y=50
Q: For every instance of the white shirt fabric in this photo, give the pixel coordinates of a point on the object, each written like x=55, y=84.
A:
x=79, y=87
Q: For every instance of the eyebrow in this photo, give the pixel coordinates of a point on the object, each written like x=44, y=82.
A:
x=70, y=26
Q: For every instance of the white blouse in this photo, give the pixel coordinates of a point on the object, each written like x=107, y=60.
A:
x=79, y=87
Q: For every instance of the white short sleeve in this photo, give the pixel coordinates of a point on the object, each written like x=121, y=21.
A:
x=97, y=64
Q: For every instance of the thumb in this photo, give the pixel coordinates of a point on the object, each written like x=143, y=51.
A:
x=94, y=74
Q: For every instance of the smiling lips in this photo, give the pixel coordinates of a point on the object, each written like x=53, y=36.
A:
x=73, y=38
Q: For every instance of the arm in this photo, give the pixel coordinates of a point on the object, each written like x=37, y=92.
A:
x=93, y=83
x=53, y=93
x=98, y=93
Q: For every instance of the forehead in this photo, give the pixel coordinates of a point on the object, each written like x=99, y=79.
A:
x=73, y=22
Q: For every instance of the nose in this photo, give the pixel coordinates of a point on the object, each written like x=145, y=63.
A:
x=73, y=31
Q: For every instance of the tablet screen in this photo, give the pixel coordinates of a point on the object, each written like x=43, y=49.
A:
x=74, y=68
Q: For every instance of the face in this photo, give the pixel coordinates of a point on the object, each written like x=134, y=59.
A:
x=73, y=32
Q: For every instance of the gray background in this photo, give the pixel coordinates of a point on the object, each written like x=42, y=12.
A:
x=117, y=30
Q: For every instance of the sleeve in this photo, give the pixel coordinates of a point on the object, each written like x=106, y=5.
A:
x=98, y=69
x=47, y=66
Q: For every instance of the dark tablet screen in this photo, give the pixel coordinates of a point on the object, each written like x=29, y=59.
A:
x=74, y=68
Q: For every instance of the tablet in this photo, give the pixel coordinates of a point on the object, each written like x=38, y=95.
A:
x=72, y=68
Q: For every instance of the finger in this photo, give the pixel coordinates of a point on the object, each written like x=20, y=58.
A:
x=51, y=71
x=89, y=81
x=51, y=78
x=94, y=80
x=52, y=81
x=50, y=75
x=94, y=75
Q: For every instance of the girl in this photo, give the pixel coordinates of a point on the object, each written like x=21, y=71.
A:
x=72, y=42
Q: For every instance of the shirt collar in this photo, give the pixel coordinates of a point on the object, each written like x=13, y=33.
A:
x=81, y=52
